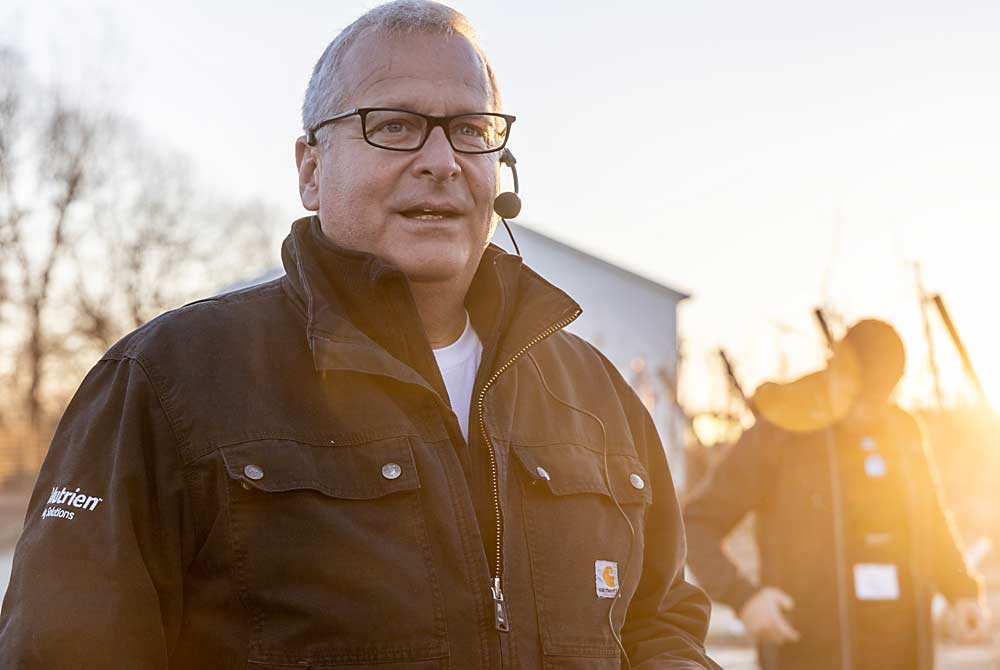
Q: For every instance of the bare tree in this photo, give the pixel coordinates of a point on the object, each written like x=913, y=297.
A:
x=98, y=234
x=67, y=168
x=58, y=170
x=160, y=247
x=11, y=103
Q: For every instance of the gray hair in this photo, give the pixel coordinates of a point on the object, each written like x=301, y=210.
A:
x=324, y=95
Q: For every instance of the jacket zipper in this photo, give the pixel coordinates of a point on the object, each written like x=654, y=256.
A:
x=499, y=606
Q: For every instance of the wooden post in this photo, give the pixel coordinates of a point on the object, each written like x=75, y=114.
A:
x=931, y=356
x=824, y=326
x=959, y=346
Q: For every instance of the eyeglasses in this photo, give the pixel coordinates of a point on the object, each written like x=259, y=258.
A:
x=403, y=130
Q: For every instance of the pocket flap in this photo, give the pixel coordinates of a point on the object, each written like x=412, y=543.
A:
x=567, y=469
x=355, y=472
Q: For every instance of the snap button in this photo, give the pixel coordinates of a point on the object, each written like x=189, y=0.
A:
x=391, y=470
x=636, y=481
x=543, y=473
x=253, y=472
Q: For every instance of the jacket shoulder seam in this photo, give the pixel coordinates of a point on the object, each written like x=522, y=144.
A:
x=144, y=366
x=185, y=486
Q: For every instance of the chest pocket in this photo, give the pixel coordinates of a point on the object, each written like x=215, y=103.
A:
x=332, y=555
x=581, y=549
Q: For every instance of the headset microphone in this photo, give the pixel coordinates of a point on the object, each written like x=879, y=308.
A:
x=507, y=204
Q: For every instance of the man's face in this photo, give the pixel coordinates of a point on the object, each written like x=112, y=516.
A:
x=371, y=199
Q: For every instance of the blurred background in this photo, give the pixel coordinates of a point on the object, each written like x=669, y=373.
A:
x=755, y=165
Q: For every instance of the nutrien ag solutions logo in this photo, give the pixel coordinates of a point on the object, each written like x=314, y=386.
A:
x=74, y=498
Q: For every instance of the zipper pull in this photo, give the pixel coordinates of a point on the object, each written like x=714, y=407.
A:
x=499, y=608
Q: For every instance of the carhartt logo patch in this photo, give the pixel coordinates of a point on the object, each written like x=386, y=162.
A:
x=69, y=498
x=606, y=578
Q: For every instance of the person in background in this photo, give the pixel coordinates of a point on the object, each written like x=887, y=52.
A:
x=853, y=533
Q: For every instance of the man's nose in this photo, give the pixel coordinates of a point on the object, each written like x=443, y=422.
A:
x=436, y=158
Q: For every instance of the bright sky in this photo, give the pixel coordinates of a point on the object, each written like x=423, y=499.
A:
x=762, y=156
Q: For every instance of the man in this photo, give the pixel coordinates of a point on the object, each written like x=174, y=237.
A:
x=394, y=456
x=853, y=534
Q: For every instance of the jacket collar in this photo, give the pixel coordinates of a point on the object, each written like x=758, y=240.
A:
x=360, y=314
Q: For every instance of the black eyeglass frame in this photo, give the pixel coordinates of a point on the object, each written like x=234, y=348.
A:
x=432, y=123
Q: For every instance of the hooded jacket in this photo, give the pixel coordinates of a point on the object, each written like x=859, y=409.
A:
x=274, y=478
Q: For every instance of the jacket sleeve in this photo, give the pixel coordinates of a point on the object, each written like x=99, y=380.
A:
x=733, y=488
x=668, y=617
x=953, y=578
x=97, y=573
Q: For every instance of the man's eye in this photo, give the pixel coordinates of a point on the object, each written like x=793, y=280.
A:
x=394, y=127
x=467, y=130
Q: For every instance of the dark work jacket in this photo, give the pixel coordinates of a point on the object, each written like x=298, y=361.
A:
x=274, y=478
x=793, y=485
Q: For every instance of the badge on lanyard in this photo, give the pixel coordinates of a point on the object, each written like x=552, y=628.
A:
x=876, y=581
x=875, y=465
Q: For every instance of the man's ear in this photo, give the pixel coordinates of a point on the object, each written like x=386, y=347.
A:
x=306, y=161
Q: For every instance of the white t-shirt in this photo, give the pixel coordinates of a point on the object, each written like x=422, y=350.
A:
x=459, y=362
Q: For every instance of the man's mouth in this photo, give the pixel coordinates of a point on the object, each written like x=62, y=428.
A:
x=430, y=213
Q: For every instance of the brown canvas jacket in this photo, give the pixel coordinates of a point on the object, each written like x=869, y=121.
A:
x=281, y=483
